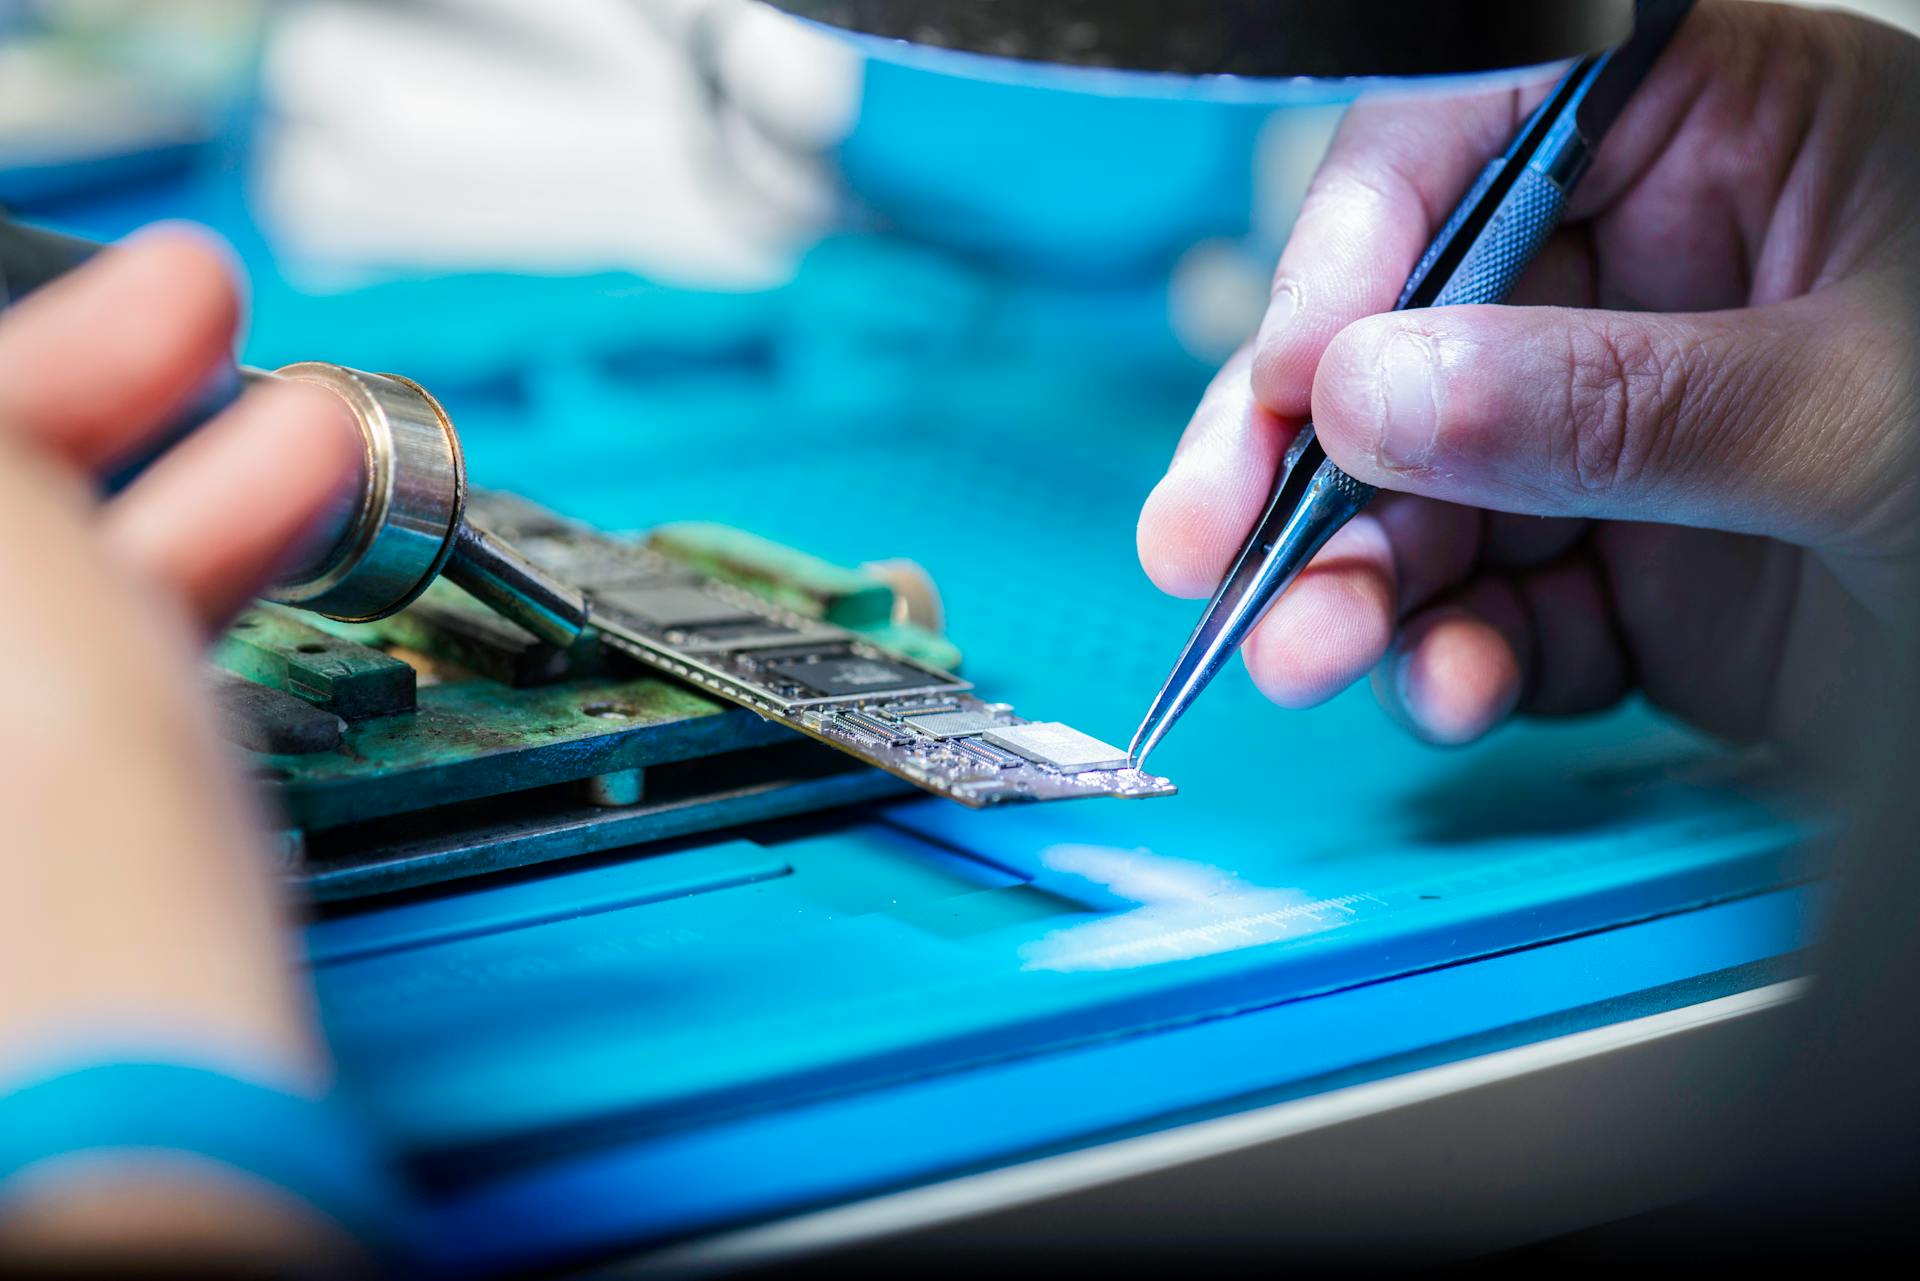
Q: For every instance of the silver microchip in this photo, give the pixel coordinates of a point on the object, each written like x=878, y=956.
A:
x=944, y=725
x=1061, y=747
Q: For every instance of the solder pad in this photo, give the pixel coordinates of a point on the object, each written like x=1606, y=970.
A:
x=921, y=724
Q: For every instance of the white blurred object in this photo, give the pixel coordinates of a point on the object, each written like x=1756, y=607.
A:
x=576, y=137
x=1220, y=288
x=1901, y=13
x=1216, y=296
x=85, y=81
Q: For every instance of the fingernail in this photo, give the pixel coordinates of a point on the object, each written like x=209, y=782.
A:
x=1390, y=688
x=1408, y=389
x=1283, y=303
x=1281, y=308
x=1400, y=676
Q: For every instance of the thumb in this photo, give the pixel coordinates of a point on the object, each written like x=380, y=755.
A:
x=1770, y=420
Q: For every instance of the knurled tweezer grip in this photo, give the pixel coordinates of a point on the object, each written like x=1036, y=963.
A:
x=1486, y=273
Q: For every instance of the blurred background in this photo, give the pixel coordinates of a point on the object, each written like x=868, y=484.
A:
x=670, y=259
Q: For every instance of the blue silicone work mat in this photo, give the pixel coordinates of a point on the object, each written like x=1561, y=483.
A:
x=633, y=1004
x=628, y=1192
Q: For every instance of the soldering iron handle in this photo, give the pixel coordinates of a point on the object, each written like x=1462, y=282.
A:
x=32, y=256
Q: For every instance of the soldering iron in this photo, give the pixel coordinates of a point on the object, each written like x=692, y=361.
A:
x=404, y=522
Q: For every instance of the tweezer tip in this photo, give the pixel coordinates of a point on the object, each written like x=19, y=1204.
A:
x=1142, y=744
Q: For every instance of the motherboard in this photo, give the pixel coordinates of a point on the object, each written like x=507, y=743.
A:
x=914, y=721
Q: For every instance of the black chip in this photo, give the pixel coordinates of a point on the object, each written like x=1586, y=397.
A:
x=675, y=605
x=756, y=630
x=851, y=674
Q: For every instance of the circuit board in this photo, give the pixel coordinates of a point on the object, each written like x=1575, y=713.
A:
x=917, y=722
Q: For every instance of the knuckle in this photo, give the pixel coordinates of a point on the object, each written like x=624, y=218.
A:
x=1354, y=186
x=1875, y=504
x=1360, y=200
x=1623, y=401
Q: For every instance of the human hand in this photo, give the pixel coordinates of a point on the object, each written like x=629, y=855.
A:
x=1724, y=457
x=137, y=909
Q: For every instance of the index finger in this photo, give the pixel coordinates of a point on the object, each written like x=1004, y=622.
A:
x=96, y=362
x=1392, y=175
